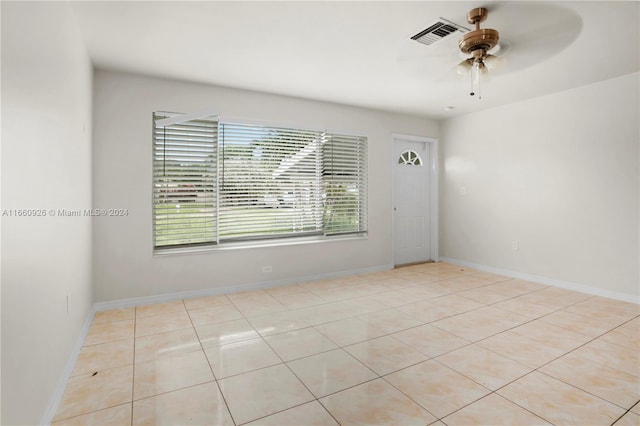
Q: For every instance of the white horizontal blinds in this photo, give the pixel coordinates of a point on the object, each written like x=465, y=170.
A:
x=184, y=182
x=344, y=177
x=269, y=183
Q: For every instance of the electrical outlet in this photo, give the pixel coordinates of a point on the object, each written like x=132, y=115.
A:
x=267, y=268
x=515, y=246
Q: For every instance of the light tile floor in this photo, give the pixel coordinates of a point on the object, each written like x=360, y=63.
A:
x=424, y=344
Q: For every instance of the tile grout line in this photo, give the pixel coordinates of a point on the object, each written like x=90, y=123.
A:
x=495, y=391
x=406, y=395
x=537, y=369
x=215, y=379
x=625, y=413
x=89, y=412
x=294, y=374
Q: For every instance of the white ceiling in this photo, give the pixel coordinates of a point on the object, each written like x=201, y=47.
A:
x=360, y=53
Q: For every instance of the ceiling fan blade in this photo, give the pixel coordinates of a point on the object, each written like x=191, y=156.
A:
x=464, y=67
x=428, y=62
x=531, y=33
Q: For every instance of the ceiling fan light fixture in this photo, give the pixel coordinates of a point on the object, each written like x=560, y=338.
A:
x=492, y=62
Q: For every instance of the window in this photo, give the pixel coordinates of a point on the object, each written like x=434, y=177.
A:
x=218, y=182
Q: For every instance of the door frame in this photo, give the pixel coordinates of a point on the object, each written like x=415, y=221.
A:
x=432, y=145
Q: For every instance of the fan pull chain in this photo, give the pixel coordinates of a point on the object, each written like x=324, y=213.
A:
x=475, y=80
x=471, y=92
x=478, y=83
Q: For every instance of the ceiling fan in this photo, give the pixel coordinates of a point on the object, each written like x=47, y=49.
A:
x=478, y=43
x=480, y=46
x=530, y=33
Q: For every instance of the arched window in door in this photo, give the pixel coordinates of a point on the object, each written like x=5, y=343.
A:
x=410, y=158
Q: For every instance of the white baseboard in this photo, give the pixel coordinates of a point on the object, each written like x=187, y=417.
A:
x=170, y=297
x=583, y=288
x=58, y=391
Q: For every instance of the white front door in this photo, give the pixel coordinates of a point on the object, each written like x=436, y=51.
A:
x=411, y=197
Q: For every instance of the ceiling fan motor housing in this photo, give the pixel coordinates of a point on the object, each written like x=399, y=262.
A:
x=485, y=39
x=481, y=38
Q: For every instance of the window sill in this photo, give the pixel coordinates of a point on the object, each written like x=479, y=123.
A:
x=257, y=244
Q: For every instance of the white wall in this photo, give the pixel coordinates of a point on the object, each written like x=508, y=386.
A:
x=46, y=164
x=124, y=265
x=559, y=174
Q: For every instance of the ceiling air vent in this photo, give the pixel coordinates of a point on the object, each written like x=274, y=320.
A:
x=439, y=30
